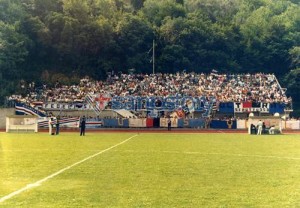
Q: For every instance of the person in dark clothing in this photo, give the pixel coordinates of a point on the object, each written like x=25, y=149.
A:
x=57, y=124
x=263, y=128
x=169, y=124
x=253, y=129
x=82, y=127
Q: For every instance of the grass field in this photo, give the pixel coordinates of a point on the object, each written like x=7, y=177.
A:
x=149, y=170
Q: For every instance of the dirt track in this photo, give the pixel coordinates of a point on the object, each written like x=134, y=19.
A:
x=162, y=130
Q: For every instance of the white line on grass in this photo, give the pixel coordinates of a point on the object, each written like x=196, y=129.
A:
x=232, y=154
x=212, y=153
x=38, y=183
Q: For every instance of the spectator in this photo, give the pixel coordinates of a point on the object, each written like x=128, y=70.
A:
x=225, y=87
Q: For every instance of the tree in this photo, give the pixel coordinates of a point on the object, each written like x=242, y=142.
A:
x=266, y=37
x=13, y=50
x=295, y=56
x=156, y=11
x=137, y=4
x=134, y=39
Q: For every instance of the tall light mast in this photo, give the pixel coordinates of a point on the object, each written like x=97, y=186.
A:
x=153, y=57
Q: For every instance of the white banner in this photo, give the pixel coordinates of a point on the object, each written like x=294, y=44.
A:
x=240, y=108
x=291, y=124
x=241, y=124
x=164, y=122
x=65, y=106
x=137, y=122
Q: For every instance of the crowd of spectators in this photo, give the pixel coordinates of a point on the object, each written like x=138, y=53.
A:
x=225, y=87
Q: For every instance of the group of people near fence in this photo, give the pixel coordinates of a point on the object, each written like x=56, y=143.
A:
x=54, y=125
x=260, y=128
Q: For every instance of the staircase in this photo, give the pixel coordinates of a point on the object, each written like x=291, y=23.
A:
x=125, y=113
x=91, y=101
x=208, y=107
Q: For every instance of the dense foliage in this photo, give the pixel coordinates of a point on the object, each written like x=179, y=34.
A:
x=46, y=40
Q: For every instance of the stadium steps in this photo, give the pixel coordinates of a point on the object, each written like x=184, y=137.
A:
x=125, y=113
x=90, y=100
x=208, y=107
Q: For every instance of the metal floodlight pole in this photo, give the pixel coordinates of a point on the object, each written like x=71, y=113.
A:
x=153, y=57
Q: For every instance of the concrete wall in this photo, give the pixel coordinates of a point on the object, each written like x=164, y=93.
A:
x=86, y=113
x=3, y=113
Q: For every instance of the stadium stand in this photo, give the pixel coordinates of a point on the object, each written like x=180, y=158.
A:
x=225, y=87
x=182, y=95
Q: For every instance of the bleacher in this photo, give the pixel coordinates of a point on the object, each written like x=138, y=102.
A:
x=180, y=95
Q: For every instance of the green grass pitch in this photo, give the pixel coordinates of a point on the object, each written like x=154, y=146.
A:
x=149, y=170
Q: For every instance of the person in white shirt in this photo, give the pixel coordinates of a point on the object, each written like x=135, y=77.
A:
x=259, y=127
x=272, y=130
x=50, y=125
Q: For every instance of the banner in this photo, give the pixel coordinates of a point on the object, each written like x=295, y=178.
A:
x=217, y=124
x=277, y=108
x=241, y=124
x=164, y=122
x=149, y=122
x=249, y=107
x=64, y=122
x=67, y=106
x=23, y=109
x=102, y=100
x=196, y=123
x=291, y=124
x=226, y=107
x=186, y=103
x=114, y=123
x=137, y=122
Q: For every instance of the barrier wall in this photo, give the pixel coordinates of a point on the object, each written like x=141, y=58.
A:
x=164, y=122
x=183, y=123
x=137, y=123
x=3, y=113
x=116, y=123
x=149, y=122
x=241, y=124
x=293, y=124
x=217, y=124
x=146, y=122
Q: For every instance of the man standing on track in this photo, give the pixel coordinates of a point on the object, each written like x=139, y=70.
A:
x=82, y=126
x=57, y=124
x=259, y=127
x=50, y=125
x=169, y=124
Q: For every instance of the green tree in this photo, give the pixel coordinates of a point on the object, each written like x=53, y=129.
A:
x=134, y=37
x=156, y=11
x=137, y=4
x=295, y=56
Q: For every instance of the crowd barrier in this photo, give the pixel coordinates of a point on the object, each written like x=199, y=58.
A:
x=289, y=124
x=152, y=122
x=217, y=124
x=162, y=122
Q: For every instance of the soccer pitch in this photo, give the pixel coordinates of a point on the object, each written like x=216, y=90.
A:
x=149, y=170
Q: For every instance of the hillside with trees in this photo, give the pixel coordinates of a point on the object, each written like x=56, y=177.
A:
x=49, y=40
